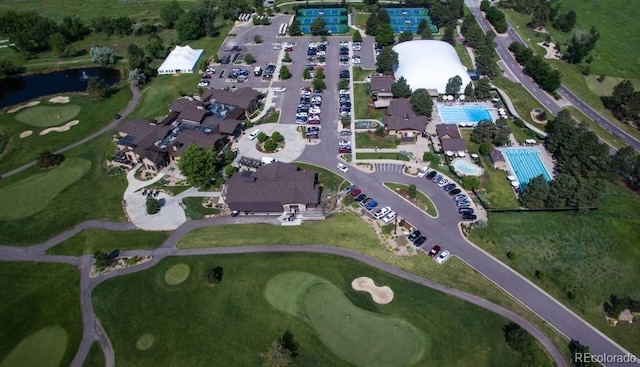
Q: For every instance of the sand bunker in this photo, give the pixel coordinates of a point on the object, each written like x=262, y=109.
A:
x=60, y=129
x=25, y=133
x=380, y=295
x=59, y=99
x=30, y=104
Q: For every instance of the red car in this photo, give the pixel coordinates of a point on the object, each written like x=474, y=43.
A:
x=356, y=192
x=434, y=251
x=344, y=150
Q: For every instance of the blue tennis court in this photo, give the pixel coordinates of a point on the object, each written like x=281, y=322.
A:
x=334, y=29
x=328, y=20
x=319, y=11
x=405, y=11
x=526, y=164
x=468, y=114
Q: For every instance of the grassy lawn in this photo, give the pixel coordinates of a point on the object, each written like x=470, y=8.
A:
x=93, y=116
x=45, y=116
x=95, y=196
x=521, y=99
x=95, y=357
x=421, y=200
x=368, y=139
x=581, y=258
x=211, y=45
x=32, y=194
x=361, y=19
x=396, y=156
x=605, y=87
x=200, y=313
x=156, y=97
x=91, y=240
x=329, y=180
x=40, y=314
x=361, y=103
x=464, y=56
x=360, y=73
x=195, y=209
x=497, y=191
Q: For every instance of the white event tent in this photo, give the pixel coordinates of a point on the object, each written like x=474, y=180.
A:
x=182, y=59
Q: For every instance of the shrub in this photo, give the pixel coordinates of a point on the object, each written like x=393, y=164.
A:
x=257, y=39
x=277, y=137
x=152, y=205
x=412, y=191
x=262, y=137
x=213, y=276
x=270, y=145
x=249, y=59
x=47, y=159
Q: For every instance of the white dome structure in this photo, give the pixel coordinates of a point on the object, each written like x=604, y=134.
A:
x=429, y=64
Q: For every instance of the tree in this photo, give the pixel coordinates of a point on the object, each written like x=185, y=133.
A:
x=270, y=145
x=371, y=27
x=257, y=39
x=470, y=183
x=535, y=193
x=96, y=88
x=58, y=42
x=422, y=26
x=405, y=36
x=421, y=102
x=284, y=73
x=188, y=27
x=47, y=159
x=497, y=19
x=387, y=61
x=497, y=133
x=384, y=34
x=484, y=5
x=319, y=27
x=229, y=170
x=580, y=44
x=624, y=102
x=343, y=84
x=152, y=205
x=357, y=37
x=198, y=165
x=370, y=2
x=400, y=88
x=306, y=74
x=277, y=137
x=516, y=337
x=319, y=83
x=155, y=47
x=249, y=59
x=383, y=16
x=565, y=22
x=136, y=57
x=170, y=13
x=320, y=74
x=137, y=77
x=276, y=356
x=412, y=191
x=468, y=90
x=483, y=89
x=426, y=34
x=453, y=85
x=213, y=276
x=485, y=147
x=578, y=353
x=103, y=55
x=287, y=57
x=9, y=68
x=288, y=343
x=103, y=260
x=542, y=73
x=262, y=137
x=449, y=34
x=294, y=28
x=626, y=163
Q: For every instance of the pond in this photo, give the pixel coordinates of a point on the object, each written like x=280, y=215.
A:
x=22, y=89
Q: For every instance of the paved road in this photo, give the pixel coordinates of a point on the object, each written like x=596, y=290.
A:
x=135, y=96
x=502, y=43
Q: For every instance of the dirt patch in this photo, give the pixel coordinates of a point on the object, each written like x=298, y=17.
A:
x=550, y=50
x=60, y=129
x=59, y=99
x=25, y=133
x=380, y=295
x=30, y=104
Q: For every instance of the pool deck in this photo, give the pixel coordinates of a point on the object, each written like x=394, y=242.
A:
x=545, y=157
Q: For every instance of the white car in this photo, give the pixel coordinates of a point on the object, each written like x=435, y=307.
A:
x=254, y=134
x=305, y=92
x=344, y=92
x=423, y=172
x=443, y=182
x=444, y=255
x=342, y=167
x=381, y=212
x=315, y=110
x=389, y=217
x=321, y=63
x=203, y=83
x=344, y=143
x=279, y=89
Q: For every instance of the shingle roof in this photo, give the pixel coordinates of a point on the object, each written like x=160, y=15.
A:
x=381, y=83
x=242, y=97
x=138, y=129
x=450, y=130
x=453, y=145
x=401, y=117
x=271, y=187
x=496, y=156
x=193, y=114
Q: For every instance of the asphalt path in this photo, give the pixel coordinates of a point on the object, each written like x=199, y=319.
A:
x=502, y=43
x=135, y=96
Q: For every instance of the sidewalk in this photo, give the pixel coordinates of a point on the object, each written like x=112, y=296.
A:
x=512, y=110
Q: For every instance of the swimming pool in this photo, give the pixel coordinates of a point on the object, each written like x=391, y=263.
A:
x=526, y=164
x=466, y=168
x=469, y=114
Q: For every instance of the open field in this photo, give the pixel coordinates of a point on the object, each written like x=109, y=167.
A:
x=91, y=240
x=370, y=140
x=359, y=73
x=421, y=200
x=361, y=19
x=581, y=257
x=465, y=58
x=95, y=357
x=32, y=194
x=328, y=179
x=39, y=314
x=200, y=313
x=195, y=210
x=96, y=196
x=361, y=101
x=156, y=97
x=93, y=116
x=47, y=116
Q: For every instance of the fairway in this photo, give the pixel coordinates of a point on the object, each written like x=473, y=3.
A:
x=47, y=116
x=232, y=323
x=361, y=337
x=33, y=194
x=44, y=348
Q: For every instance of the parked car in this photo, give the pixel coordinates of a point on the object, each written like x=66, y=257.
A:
x=345, y=133
x=465, y=211
x=437, y=178
x=469, y=217
x=414, y=235
x=366, y=202
x=389, y=217
x=449, y=187
x=344, y=143
x=459, y=197
x=420, y=241
x=279, y=89
x=342, y=167
x=356, y=192
x=443, y=182
x=348, y=189
x=344, y=150
x=372, y=204
x=434, y=251
x=254, y=134
x=444, y=255
x=423, y=171
x=381, y=212
x=359, y=198
x=455, y=192
x=431, y=175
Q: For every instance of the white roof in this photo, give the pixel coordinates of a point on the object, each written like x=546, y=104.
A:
x=429, y=64
x=181, y=58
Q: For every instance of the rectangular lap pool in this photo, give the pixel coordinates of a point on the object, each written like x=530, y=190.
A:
x=526, y=164
x=468, y=114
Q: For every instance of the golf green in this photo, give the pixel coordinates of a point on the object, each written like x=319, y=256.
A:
x=177, y=274
x=32, y=194
x=44, y=348
x=47, y=116
x=361, y=337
